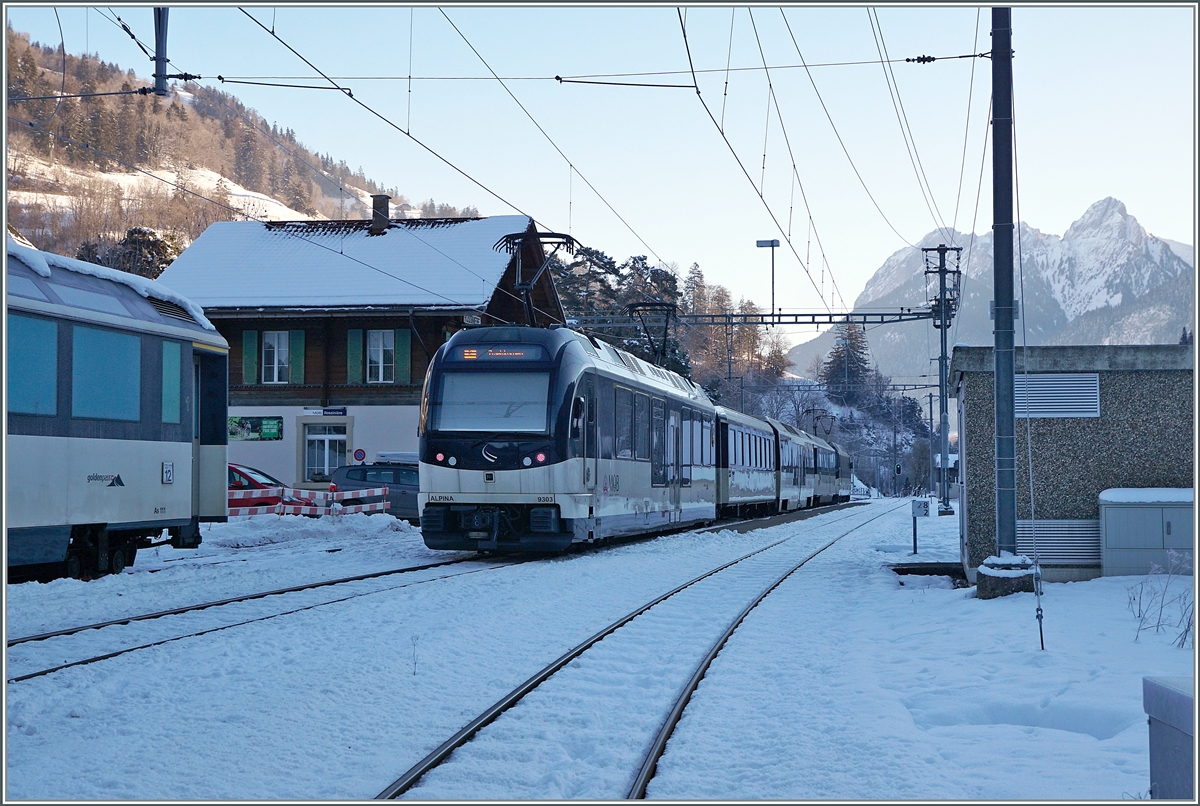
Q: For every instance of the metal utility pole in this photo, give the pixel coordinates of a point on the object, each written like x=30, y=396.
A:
x=1002, y=233
x=943, y=311
x=932, y=467
x=160, y=50
x=771, y=243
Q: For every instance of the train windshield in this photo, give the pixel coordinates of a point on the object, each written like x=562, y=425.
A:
x=491, y=401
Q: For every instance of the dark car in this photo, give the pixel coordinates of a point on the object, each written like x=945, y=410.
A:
x=400, y=477
x=242, y=477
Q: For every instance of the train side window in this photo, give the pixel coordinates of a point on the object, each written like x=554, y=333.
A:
x=172, y=385
x=32, y=361
x=706, y=442
x=577, y=418
x=623, y=431
x=697, y=441
x=658, y=443
x=106, y=374
x=686, y=447
x=641, y=426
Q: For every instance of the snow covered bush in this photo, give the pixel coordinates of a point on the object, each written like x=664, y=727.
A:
x=1165, y=601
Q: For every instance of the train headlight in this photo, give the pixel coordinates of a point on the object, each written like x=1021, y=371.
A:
x=527, y=461
x=452, y=461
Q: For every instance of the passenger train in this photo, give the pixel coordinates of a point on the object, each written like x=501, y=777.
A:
x=117, y=417
x=537, y=440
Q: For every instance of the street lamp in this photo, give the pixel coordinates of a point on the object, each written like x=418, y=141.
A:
x=771, y=243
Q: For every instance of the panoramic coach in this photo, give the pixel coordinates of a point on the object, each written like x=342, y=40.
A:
x=116, y=416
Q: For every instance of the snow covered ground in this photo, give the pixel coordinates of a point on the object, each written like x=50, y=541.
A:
x=848, y=682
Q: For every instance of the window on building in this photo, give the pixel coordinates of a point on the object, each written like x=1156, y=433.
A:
x=325, y=451
x=32, y=365
x=275, y=356
x=106, y=374
x=381, y=356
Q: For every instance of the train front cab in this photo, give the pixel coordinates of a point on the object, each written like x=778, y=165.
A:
x=535, y=440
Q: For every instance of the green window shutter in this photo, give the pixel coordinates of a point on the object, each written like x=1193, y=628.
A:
x=354, y=356
x=403, y=355
x=296, y=356
x=249, y=357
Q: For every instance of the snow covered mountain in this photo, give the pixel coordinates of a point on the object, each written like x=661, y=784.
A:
x=1104, y=281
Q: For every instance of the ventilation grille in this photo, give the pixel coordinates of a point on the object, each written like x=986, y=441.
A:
x=1061, y=542
x=630, y=362
x=1057, y=395
x=170, y=309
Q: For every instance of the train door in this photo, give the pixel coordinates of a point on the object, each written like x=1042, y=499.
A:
x=195, y=435
x=591, y=439
x=674, y=450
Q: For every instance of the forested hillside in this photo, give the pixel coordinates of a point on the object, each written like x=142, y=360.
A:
x=71, y=162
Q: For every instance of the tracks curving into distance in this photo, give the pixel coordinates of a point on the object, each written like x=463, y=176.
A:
x=237, y=599
x=650, y=760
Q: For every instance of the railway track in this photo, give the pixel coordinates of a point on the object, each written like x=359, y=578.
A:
x=657, y=645
x=64, y=657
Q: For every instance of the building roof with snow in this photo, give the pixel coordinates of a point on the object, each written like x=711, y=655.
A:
x=450, y=264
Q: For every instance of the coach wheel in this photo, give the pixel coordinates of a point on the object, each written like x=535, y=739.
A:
x=116, y=560
x=74, y=566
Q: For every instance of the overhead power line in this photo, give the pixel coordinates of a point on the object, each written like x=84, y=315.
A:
x=842, y=143
x=387, y=121
x=910, y=142
x=549, y=139
x=741, y=165
x=642, y=74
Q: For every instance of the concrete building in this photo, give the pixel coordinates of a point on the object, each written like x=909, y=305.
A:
x=331, y=325
x=1099, y=417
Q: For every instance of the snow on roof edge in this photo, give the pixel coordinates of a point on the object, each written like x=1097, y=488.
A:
x=1147, y=495
x=41, y=262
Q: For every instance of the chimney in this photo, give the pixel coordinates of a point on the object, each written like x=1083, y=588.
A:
x=379, y=216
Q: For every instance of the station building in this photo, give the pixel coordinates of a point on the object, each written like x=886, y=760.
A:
x=331, y=325
x=1093, y=418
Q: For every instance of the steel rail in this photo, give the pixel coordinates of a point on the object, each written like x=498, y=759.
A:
x=119, y=652
x=650, y=764
x=439, y=754
x=232, y=600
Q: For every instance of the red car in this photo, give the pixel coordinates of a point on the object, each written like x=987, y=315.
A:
x=242, y=477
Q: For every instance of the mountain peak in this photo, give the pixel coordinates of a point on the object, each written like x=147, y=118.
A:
x=1106, y=218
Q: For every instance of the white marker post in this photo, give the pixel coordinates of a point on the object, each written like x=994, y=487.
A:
x=920, y=510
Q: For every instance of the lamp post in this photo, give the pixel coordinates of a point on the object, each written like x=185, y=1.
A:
x=774, y=242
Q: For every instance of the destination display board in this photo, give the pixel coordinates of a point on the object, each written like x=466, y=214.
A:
x=501, y=352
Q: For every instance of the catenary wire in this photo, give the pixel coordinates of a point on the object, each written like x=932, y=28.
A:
x=236, y=211
x=910, y=144
x=967, y=127
x=795, y=171
x=838, y=134
x=260, y=127
x=741, y=165
x=548, y=138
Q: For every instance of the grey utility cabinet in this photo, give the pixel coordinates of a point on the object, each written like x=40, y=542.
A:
x=1169, y=704
x=1139, y=525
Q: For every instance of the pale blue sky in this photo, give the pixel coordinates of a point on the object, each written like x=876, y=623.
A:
x=1105, y=106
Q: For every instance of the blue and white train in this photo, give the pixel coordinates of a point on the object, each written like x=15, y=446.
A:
x=536, y=440
x=117, y=417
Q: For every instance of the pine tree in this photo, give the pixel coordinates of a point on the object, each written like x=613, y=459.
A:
x=847, y=370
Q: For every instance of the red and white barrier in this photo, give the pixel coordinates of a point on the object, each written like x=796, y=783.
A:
x=322, y=503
